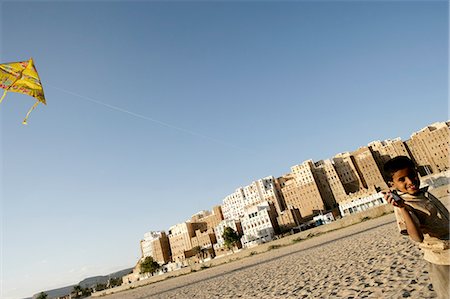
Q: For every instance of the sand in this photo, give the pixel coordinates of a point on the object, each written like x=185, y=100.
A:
x=366, y=260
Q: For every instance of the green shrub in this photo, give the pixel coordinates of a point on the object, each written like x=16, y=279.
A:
x=274, y=247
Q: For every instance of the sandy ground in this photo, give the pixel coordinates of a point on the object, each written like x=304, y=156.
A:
x=367, y=260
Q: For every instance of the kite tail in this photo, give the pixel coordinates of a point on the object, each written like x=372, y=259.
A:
x=3, y=96
x=29, y=111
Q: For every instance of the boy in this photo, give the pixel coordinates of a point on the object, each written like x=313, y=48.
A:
x=421, y=216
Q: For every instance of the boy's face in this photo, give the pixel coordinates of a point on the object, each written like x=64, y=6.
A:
x=406, y=180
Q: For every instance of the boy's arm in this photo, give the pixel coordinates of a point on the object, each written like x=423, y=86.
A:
x=412, y=227
x=414, y=231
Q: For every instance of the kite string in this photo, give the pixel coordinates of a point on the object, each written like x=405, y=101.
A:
x=152, y=119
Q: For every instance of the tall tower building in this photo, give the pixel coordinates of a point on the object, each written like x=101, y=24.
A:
x=259, y=224
x=262, y=190
x=382, y=151
x=156, y=245
x=211, y=219
x=347, y=172
x=233, y=205
x=180, y=240
x=289, y=190
x=430, y=148
x=161, y=249
x=308, y=194
x=147, y=242
x=259, y=191
x=219, y=230
x=368, y=169
x=330, y=185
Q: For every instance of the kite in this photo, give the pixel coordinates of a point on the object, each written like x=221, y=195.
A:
x=22, y=77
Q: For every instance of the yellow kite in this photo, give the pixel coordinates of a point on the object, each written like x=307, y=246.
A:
x=22, y=77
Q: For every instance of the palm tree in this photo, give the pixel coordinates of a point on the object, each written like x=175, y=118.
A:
x=203, y=252
x=197, y=251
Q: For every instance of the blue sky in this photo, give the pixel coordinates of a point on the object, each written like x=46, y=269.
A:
x=157, y=110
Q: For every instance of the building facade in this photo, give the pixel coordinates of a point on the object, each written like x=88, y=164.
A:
x=289, y=190
x=220, y=228
x=382, y=151
x=368, y=169
x=233, y=205
x=161, y=249
x=289, y=218
x=180, y=240
x=259, y=224
x=262, y=190
x=330, y=186
x=211, y=219
x=307, y=195
x=359, y=204
x=147, y=243
x=429, y=148
x=347, y=172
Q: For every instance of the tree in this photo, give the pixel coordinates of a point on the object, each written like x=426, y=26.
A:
x=86, y=292
x=196, y=250
x=230, y=237
x=200, y=252
x=77, y=290
x=42, y=295
x=100, y=287
x=115, y=282
x=149, y=265
x=203, y=253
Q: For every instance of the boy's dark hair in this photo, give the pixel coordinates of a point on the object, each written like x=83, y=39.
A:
x=395, y=164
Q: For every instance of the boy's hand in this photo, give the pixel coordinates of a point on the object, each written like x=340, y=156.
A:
x=390, y=199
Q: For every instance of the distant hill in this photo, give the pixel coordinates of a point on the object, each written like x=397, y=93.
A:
x=87, y=282
x=92, y=281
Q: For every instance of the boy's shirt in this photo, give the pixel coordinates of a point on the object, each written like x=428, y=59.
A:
x=432, y=219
